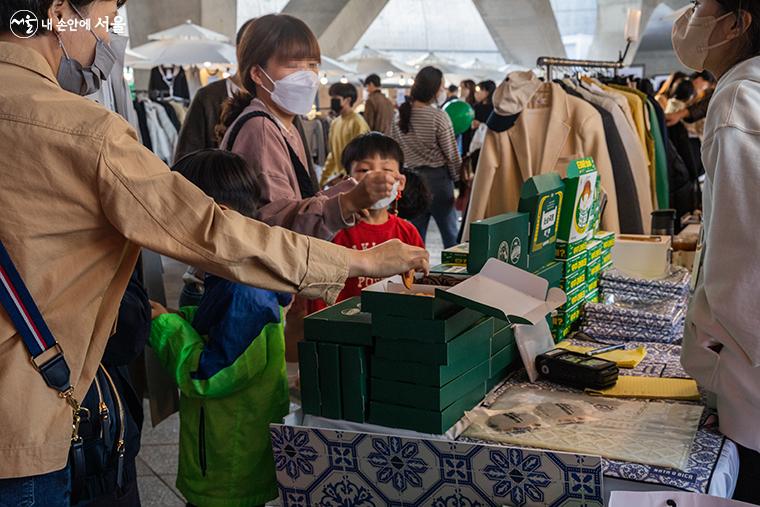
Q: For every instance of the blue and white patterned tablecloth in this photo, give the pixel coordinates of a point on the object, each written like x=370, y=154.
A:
x=662, y=360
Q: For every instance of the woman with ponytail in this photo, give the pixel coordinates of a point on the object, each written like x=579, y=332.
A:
x=430, y=149
x=278, y=58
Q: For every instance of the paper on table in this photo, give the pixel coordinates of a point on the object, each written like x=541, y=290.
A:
x=629, y=358
x=651, y=388
x=660, y=499
x=532, y=341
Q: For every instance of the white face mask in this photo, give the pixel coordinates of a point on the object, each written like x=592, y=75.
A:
x=384, y=203
x=441, y=97
x=691, y=38
x=295, y=93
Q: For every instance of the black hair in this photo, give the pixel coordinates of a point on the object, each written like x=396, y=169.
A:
x=427, y=82
x=685, y=90
x=369, y=145
x=490, y=87
x=344, y=90
x=241, y=31
x=372, y=79
x=453, y=88
x=705, y=74
x=223, y=176
x=646, y=86
x=40, y=10
x=416, y=197
x=752, y=35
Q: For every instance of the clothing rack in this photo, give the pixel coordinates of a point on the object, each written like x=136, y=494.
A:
x=549, y=62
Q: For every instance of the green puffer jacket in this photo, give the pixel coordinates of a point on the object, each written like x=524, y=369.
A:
x=233, y=384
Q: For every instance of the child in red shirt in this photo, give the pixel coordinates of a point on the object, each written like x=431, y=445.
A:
x=373, y=152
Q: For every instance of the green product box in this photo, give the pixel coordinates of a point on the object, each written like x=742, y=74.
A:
x=593, y=283
x=343, y=323
x=564, y=318
x=496, y=380
x=606, y=266
x=456, y=255
x=541, y=197
x=561, y=332
x=499, y=324
x=578, y=296
x=594, y=268
x=553, y=273
x=354, y=379
x=426, y=374
x=425, y=421
x=565, y=250
x=575, y=280
x=595, y=250
x=329, y=380
x=308, y=365
x=577, y=215
x=503, y=338
x=607, y=259
x=387, y=298
x=436, y=399
x=503, y=359
x=593, y=296
x=435, y=353
x=449, y=269
x=575, y=264
x=607, y=239
x=427, y=331
x=503, y=237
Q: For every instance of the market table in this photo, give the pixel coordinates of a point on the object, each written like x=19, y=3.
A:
x=713, y=463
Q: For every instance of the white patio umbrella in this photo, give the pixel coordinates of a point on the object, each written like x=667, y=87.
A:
x=189, y=30
x=433, y=60
x=479, y=68
x=131, y=58
x=185, y=52
x=332, y=67
x=368, y=61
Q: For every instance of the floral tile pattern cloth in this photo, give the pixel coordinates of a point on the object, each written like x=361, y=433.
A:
x=324, y=468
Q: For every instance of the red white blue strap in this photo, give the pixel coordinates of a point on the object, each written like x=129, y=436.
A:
x=22, y=310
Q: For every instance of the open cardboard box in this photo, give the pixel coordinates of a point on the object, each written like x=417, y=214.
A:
x=507, y=293
x=391, y=297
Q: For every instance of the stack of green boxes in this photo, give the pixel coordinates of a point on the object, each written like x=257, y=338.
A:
x=334, y=362
x=608, y=242
x=432, y=361
x=575, y=229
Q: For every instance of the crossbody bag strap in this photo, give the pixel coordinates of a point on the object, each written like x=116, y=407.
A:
x=305, y=184
x=45, y=352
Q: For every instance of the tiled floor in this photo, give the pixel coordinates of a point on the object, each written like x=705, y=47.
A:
x=157, y=462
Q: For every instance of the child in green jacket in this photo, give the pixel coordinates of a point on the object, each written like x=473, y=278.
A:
x=228, y=359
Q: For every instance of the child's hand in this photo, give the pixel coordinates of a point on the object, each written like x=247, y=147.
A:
x=156, y=309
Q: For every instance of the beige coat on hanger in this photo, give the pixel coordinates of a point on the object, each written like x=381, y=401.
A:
x=572, y=129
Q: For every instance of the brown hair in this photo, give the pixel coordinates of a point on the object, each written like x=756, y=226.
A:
x=427, y=82
x=274, y=36
x=751, y=37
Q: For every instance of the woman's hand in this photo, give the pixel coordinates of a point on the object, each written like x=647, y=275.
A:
x=374, y=186
x=390, y=258
x=673, y=118
x=156, y=309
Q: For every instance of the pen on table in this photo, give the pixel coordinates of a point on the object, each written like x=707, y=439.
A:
x=602, y=350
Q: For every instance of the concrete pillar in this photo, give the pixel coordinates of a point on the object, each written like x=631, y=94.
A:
x=220, y=16
x=523, y=30
x=149, y=16
x=349, y=26
x=338, y=24
x=611, y=18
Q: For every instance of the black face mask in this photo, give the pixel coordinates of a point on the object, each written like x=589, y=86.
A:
x=336, y=105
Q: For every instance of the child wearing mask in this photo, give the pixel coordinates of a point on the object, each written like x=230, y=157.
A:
x=347, y=126
x=369, y=153
x=228, y=358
